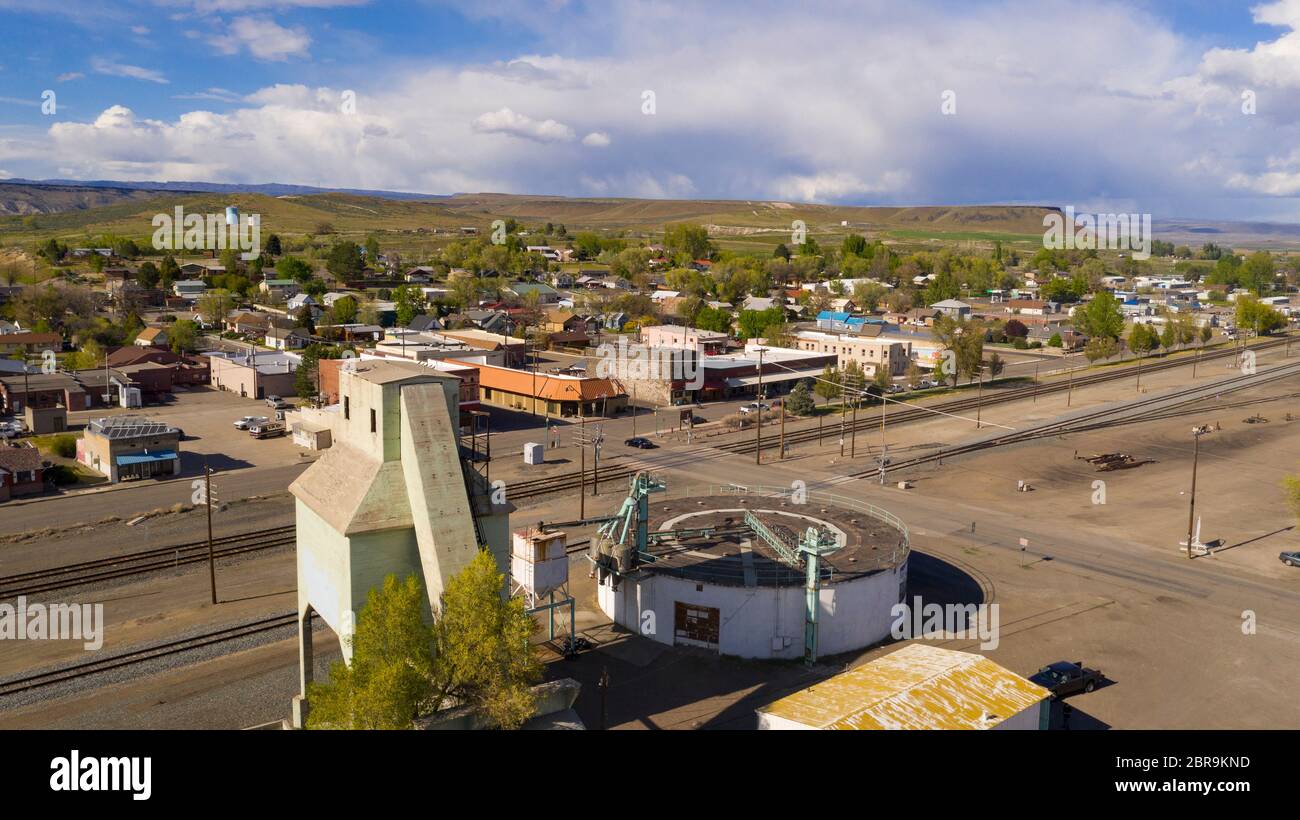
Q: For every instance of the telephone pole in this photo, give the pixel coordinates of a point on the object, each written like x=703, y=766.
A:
x=758, y=428
x=1191, y=507
x=783, y=429
x=207, y=502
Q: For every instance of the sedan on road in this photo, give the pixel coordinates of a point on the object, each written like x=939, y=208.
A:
x=1291, y=559
x=641, y=443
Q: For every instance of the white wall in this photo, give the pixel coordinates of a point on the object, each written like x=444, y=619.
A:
x=763, y=622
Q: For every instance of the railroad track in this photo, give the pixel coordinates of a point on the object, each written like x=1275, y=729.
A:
x=1096, y=420
x=535, y=488
x=138, y=563
x=136, y=656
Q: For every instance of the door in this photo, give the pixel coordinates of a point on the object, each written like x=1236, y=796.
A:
x=695, y=625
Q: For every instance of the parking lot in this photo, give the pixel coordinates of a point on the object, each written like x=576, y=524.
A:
x=207, y=417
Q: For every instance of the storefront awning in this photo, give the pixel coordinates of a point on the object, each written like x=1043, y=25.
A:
x=145, y=458
x=771, y=378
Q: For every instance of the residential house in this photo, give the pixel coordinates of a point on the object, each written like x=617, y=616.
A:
x=22, y=472
x=288, y=338
x=189, y=288
x=152, y=337
x=952, y=307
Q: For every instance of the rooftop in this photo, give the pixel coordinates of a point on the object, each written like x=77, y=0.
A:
x=917, y=687
x=121, y=427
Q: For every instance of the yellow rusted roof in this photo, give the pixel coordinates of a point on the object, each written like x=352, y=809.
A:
x=917, y=687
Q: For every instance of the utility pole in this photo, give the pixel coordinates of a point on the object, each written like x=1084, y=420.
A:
x=782, y=429
x=582, y=470
x=1191, y=508
x=884, y=447
x=979, y=399
x=758, y=428
x=1035, y=382
x=633, y=409
x=207, y=502
x=1069, y=396
x=844, y=409
x=853, y=428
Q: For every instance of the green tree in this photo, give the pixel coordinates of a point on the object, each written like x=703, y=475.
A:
x=344, y=310
x=1099, y=347
x=183, y=336
x=688, y=239
x=344, y=261
x=1102, y=317
x=828, y=386
x=799, y=402
x=215, y=305
x=291, y=267
x=391, y=675
x=148, y=276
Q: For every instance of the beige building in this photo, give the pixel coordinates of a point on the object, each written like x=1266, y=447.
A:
x=127, y=447
x=255, y=375
x=390, y=496
x=869, y=353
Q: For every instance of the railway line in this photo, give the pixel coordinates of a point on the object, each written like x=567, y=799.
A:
x=139, y=563
x=1155, y=406
x=39, y=680
x=901, y=414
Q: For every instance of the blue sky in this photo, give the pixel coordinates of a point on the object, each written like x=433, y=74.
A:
x=1102, y=105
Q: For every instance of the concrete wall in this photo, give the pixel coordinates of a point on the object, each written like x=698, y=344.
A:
x=764, y=622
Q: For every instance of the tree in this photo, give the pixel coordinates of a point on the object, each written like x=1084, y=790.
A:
x=410, y=303
x=1255, y=315
x=1099, y=347
x=215, y=305
x=291, y=267
x=799, y=402
x=168, y=271
x=344, y=261
x=688, y=239
x=273, y=245
x=995, y=366
x=391, y=675
x=482, y=655
x=230, y=260
x=1056, y=341
x=344, y=310
x=828, y=386
x=1102, y=317
x=89, y=357
x=148, y=275
x=183, y=336
x=1142, y=339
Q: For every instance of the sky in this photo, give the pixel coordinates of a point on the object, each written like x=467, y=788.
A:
x=1177, y=108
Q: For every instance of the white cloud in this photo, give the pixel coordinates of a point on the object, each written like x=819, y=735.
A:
x=114, y=69
x=69, y=76
x=506, y=121
x=263, y=38
x=1141, y=115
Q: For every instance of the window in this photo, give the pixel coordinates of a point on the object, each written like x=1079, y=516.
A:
x=347, y=408
x=372, y=420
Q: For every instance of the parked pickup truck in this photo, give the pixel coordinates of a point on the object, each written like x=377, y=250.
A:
x=1064, y=678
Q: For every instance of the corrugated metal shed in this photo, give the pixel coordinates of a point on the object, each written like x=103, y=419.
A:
x=917, y=687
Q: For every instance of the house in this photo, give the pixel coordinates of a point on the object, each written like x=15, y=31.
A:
x=545, y=294
x=288, y=338
x=278, y=289
x=420, y=274
x=130, y=447
x=615, y=320
x=22, y=472
x=545, y=251
x=565, y=321
x=299, y=301
x=952, y=307
x=29, y=343
x=493, y=321
x=921, y=317
x=424, y=322
x=917, y=687
x=152, y=337
x=189, y=288
x=1032, y=307
x=248, y=323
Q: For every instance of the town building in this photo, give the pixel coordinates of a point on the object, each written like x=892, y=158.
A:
x=254, y=374
x=550, y=394
x=22, y=472
x=869, y=353
x=130, y=447
x=917, y=687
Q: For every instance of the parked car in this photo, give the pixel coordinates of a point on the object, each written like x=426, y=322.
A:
x=641, y=443
x=249, y=421
x=1291, y=559
x=267, y=429
x=276, y=403
x=753, y=407
x=7, y=430
x=1064, y=678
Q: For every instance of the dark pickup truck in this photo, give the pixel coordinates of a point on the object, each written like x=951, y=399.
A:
x=1064, y=678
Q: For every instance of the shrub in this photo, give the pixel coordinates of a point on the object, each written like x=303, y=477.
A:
x=64, y=446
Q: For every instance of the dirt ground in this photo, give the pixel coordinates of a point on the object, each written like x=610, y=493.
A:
x=1207, y=642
